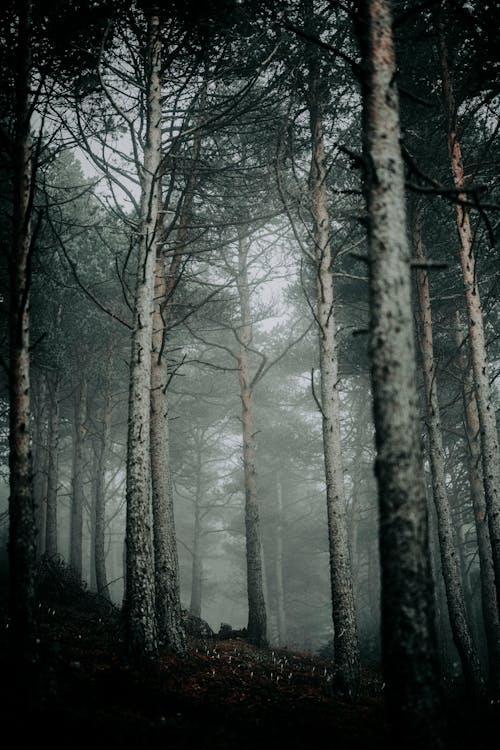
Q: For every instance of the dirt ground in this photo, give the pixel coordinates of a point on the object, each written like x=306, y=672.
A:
x=223, y=695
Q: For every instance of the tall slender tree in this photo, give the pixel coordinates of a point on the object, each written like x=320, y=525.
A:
x=487, y=573
x=22, y=550
x=167, y=586
x=51, y=514
x=278, y=564
x=77, y=481
x=98, y=520
x=408, y=627
x=345, y=637
x=449, y=561
x=139, y=605
x=40, y=456
x=490, y=451
x=167, y=583
x=257, y=618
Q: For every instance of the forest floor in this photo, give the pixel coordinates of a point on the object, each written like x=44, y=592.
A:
x=222, y=695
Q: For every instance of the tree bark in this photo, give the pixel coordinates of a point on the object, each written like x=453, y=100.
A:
x=99, y=504
x=487, y=574
x=345, y=637
x=139, y=605
x=22, y=530
x=78, y=496
x=450, y=566
x=408, y=627
x=168, y=601
x=40, y=462
x=51, y=529
x=280, y=589
x=490, y=453
x=257, y=618
x=197, y=564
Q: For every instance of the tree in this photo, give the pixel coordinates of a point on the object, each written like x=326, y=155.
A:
x=346, y=647
x=490, y=452
x=168, y=604
x=487, y=573
x=21, y=506
x=449, y=561
x=139, y=605
x=278, y=564
x=40, y=461
x=77, y=482
x=51, y=547
x=408, y=635
x=32, y=52
x=257, y=617
x=98, y=507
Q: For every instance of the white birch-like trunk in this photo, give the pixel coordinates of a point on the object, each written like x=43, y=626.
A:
x=345, y=637
x=168, y=601
x=22, y=530
x=139, y=606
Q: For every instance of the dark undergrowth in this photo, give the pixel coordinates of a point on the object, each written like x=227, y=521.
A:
x=223, y=694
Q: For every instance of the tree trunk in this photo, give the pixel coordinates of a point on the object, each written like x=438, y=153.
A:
x=139, y=606
x=461, y=533
x=168, y=602
x=257, y=619
x=487, y=574
x=51, y=529
x=197, y=564
x=92, y=577
x=78, y=497
x=196, y=584
x=40, y=461
x=490, y=454
x=449, y=561
x=408, y=628
x=280, y=589
x=22, y=530
x=99, y=505
x=345, y=637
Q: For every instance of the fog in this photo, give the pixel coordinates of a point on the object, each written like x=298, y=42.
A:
x=249, y=319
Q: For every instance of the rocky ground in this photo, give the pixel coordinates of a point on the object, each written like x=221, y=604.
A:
x=224, y=694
